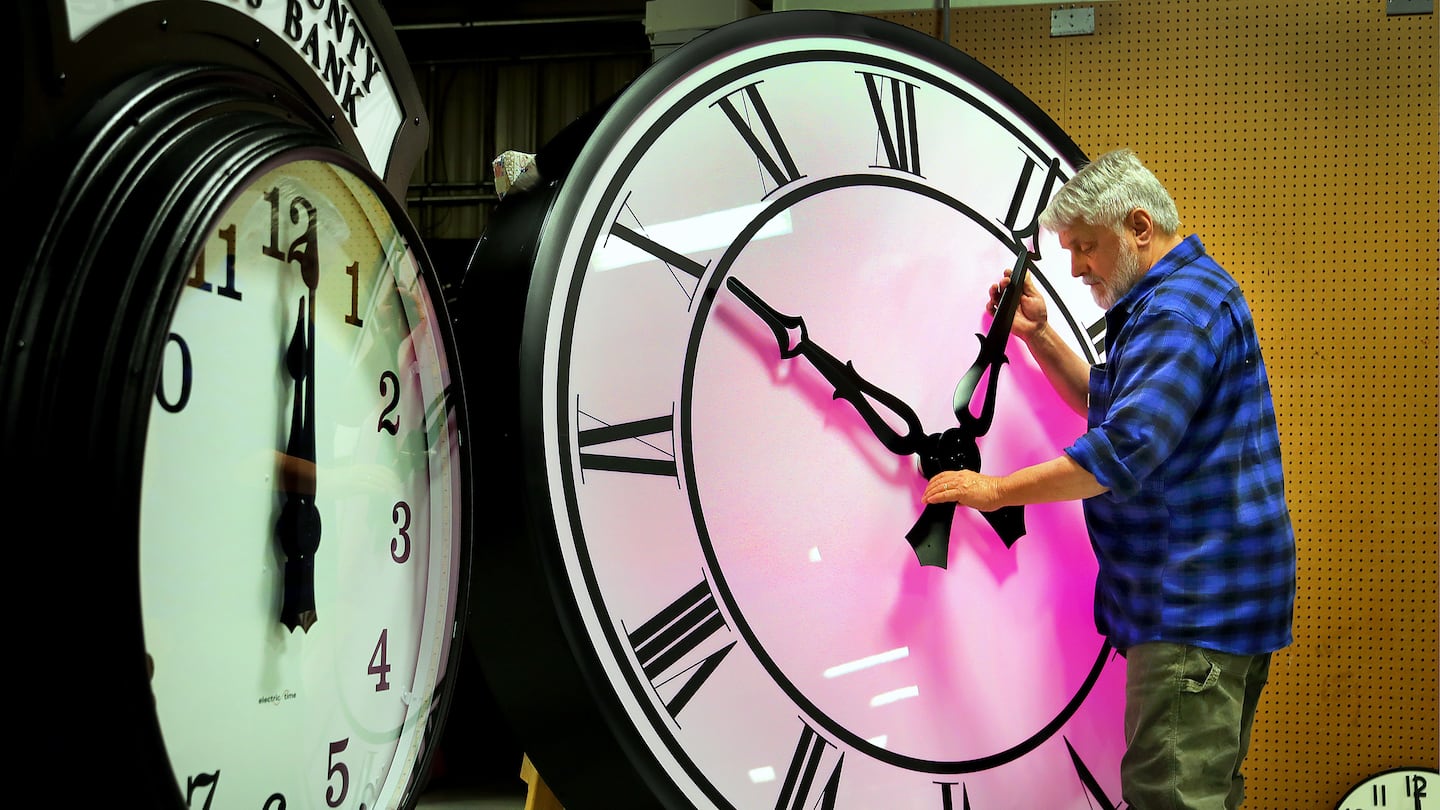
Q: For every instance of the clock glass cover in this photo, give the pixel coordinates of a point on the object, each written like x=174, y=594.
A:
x=300, y=543
x=759, y=290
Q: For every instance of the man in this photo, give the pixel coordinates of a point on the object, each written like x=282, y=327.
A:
x=1180, y=472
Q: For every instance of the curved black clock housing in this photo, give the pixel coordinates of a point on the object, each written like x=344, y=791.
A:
x=700, y=591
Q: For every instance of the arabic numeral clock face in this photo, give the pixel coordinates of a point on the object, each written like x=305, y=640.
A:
x=300, y=521
x=774, y=283
x=1397, y=788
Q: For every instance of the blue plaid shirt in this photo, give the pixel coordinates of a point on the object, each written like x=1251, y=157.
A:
x=1194, y=538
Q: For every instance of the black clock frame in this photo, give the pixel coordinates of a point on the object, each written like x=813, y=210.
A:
x=524, y=624
x=121, y=164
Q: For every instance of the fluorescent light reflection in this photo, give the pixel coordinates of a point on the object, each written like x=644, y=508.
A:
x=761, y=775
x=690, y=236
x=814, y=554
x=880, y=742
x=868, y=661
x=894, y=695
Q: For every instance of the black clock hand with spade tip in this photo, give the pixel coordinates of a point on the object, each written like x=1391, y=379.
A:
x=298, y=528
x=849, y=385
x=958, y=445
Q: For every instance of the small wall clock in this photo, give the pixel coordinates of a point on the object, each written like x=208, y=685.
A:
x=230, y=379
x=754, y=322
x=1395, y=789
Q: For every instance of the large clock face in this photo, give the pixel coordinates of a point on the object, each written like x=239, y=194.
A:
x=300, y=539
x=768, y=278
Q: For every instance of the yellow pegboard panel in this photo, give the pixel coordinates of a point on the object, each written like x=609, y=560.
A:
x=1300, y=141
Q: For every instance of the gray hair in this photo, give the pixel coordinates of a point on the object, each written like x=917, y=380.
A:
x=1104, y=192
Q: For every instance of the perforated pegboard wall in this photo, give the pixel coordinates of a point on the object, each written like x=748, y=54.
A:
x=1300, y=141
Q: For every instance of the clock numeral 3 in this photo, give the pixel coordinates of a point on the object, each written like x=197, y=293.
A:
x=400, y=542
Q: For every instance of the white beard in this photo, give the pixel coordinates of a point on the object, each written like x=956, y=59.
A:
x=1127, y=272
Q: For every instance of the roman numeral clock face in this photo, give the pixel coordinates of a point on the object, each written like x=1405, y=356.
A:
x=771, y=289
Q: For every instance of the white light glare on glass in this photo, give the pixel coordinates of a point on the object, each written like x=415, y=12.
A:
x=867, y=662
x=690, y=236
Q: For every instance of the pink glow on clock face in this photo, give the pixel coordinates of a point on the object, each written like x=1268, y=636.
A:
x=761, y=517
x=806, y=511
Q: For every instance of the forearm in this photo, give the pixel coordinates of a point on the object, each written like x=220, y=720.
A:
x=1059, y=479
x=1067, y=372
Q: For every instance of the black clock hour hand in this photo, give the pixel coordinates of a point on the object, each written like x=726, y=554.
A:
x=298, y=528
x=848, y=383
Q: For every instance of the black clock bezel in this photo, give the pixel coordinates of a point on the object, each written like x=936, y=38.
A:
x=124, y=202
x=569, y=719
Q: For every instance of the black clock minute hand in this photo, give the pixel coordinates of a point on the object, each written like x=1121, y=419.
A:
x=992, y=354
x=849, y=385
x=298, y=528
x=959, y=449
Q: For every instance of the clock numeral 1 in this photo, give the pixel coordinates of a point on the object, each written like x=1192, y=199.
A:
x=800, y=778
x=353, y=316
x=197, y=279
x=675, y=632
x=780, y=166
x=1018, y=202
x=947, y=796
x=1092, y=785
x=899, y=136
x=639, y=431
